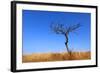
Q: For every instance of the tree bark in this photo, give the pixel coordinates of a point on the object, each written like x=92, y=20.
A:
x=66, y=43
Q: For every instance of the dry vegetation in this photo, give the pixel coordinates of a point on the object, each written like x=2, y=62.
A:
x=43, y=57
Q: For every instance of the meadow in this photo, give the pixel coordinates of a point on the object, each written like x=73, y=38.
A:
x=45, y=57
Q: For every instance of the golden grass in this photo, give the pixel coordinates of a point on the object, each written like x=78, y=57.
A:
x=43, y=57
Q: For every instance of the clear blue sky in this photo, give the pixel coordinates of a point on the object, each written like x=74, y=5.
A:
x=38, y=37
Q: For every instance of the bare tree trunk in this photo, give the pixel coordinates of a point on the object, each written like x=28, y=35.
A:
x=69, y=52
x=66, y=43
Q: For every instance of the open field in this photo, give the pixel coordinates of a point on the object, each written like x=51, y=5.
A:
x=43, y=57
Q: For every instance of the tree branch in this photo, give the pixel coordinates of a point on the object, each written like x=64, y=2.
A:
x=73, y=28
x=58, y=29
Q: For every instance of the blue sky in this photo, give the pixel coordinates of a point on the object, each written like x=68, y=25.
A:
x=39, y=38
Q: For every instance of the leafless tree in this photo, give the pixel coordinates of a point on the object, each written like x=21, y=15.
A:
x=64, y=30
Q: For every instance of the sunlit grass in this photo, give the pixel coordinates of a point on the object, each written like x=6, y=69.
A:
x=43, y=57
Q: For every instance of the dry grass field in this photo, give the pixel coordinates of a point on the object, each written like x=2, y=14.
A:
x=43, y=57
